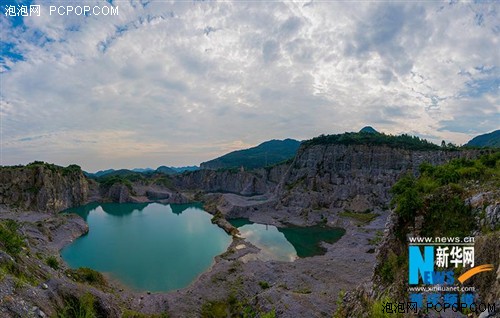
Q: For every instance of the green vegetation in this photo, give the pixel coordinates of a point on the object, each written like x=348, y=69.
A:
x=53, y=262
x=271, y=314
x=368, y=129
x=22, y=277
x=390, y=267
x=87, y=275
x=374, y=139
x=108, y=181
x=10, y=240
x=214, y=309
x=128, y=178
x=264, y=285
x=134, y=314
x=266, y=154
x=362, y=217
x=71, y=169
x=438, y=195
x=377, y=239
x=163, y=180
x=83, y=307
x=232, y=307
x=368, y=307
x=341, y=311
x=303, y=290
x=217, y=216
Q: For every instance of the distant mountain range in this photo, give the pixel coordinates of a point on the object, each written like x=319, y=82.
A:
x=491, y=139
x=275, y=151
x=265, y=154
x=122, y=172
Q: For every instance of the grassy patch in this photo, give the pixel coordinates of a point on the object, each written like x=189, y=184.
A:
x=391, y=267
x=271, y=314
x=233, y=307
x=10, y=240
x=377, y=239
x=83, y=307
x=52, y=262
x=214, y=309
x=303, y=290
x=358, y=216
x=135, y=314
x=22, y=277
x=88, y=276
x=264, y=285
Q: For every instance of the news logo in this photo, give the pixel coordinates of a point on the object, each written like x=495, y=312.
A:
x=430, y=262
x=432, y=267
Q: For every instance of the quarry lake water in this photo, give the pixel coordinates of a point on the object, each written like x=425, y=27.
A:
x=156, y=247
x=151, y=247
x=288, y=243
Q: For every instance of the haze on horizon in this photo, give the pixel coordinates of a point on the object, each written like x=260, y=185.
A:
x=178, y=83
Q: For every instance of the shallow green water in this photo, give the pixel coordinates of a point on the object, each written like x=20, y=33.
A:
x=286, y=244
x=147, y=246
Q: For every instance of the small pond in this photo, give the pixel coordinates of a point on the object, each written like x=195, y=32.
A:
x=287, y=244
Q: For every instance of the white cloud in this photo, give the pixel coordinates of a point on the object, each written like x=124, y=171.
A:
x=176, y=82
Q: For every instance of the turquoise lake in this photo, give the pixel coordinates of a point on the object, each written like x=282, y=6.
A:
x=151, y=247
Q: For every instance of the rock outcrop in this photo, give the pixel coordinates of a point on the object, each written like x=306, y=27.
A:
x=351, y=177
x=140, y=192
x=231, y=181
x=43, y=187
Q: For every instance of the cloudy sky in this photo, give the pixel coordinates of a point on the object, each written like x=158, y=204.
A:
x=181, y=82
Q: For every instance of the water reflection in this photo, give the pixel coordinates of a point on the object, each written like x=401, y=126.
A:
x=272, y=243
x=179, y=208
x=123, y=209
x=286, y=244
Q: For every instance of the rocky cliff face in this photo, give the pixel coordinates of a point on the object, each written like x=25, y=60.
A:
x=232, y=181
x=351, y=177
x=43, y=187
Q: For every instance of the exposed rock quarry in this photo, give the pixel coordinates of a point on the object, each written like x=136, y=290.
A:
x=356, y=177
x=329, y=178
x=43, y=187
x=230, y=181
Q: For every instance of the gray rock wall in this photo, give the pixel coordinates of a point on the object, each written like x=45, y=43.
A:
x=355, y=177
x=40, y=188
x=241, y=182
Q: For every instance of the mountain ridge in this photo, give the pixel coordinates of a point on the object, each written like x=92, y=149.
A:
x=491, y=139
x=266, y=153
